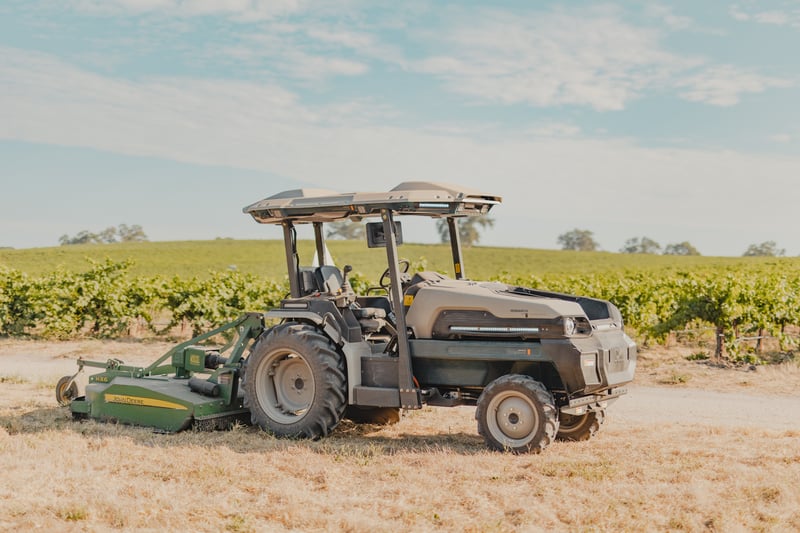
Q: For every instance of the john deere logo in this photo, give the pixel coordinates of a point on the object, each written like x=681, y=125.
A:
x=147, y=402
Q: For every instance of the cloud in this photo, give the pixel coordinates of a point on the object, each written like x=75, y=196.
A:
x=279, y=49
x=590, y=59
x=245, y=10
x=668, y=17
x=606, y=184
x=781, y=138
x=724, y=85
x=775, y=17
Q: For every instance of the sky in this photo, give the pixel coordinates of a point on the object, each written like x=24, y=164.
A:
x=676, y=121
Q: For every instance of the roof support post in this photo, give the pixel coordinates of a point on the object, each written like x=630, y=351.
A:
x=409, y=395
x=455, y=246
x=292, y=264
x=320, y=241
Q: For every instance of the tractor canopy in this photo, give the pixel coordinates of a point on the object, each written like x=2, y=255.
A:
x=435, y=200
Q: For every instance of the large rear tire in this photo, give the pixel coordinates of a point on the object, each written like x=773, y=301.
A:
x=295, y=384
x=518, y=414
x=581, y=427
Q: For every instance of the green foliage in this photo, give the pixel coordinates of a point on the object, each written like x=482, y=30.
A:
x=104, y=302
x=681, y=248
x=640, y=245
x=267, y=258
x=579, y=240
x=122, y=233
x=204, y=304
x=657, y=295
x=765, y=249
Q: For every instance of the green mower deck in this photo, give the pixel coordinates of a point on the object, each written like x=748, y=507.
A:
x=190, y=384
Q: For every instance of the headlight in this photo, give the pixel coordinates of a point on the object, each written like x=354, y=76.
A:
x=569, y=326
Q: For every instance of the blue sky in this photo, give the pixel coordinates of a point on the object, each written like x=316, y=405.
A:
x=677, y=121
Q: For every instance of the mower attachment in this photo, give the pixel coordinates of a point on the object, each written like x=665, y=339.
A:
x=190, y=383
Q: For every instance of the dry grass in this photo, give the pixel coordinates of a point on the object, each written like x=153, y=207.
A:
x=430, y=472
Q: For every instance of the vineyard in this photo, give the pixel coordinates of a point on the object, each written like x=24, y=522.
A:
x=731, y=308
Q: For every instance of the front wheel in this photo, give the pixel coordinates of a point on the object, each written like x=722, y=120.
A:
x=516, y=413
x=295, y=384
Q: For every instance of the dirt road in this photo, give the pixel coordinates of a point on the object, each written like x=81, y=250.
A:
x=693, y=407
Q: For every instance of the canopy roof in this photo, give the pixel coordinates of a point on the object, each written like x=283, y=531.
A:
x=435, y=200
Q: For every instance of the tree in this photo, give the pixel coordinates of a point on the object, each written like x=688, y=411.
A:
x=765, y=249
x=643, y=245
x=469, y=229
x=133, y=233
x=581, y=240
x=82, y=237
x=107, y=236
x=681, y=248
x=346, y=230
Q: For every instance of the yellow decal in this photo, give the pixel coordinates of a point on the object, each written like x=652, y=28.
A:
x=138, y=400
x=408, y=299
x=458, y=268
x=194, y=360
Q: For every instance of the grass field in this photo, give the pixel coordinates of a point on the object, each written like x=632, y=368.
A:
x=430, y=472
x=197, y=258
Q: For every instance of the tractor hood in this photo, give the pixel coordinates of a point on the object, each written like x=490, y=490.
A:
x=446, y=308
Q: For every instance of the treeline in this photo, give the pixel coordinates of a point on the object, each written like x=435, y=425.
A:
x=582, y=240
x=105, y=301
x=122, y=233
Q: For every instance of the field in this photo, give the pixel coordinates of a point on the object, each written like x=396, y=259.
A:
x=655, y=465
x=696, y=446
x=266, y=258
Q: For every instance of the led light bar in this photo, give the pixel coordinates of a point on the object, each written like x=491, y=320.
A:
x=492, y=329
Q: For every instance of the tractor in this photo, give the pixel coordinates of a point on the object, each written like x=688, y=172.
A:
x=538, y=365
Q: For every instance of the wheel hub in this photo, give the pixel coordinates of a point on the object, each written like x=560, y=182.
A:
x=516, y=418
x=287, y=390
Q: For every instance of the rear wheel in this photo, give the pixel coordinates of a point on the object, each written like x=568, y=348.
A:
x=295, y=383
x=516, y=413
x=580, y=427
x=384, y=416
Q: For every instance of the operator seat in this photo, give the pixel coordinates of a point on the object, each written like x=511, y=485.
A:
x=329, y=279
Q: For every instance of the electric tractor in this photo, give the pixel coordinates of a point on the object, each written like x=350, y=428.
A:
x=537, y=365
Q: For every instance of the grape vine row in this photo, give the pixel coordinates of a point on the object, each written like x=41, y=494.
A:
x=105, y=301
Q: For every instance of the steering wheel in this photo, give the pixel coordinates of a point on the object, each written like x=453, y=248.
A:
x=386, y=277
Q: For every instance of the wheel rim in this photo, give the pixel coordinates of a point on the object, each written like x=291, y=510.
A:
x=285, y=386
x=512, y=419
